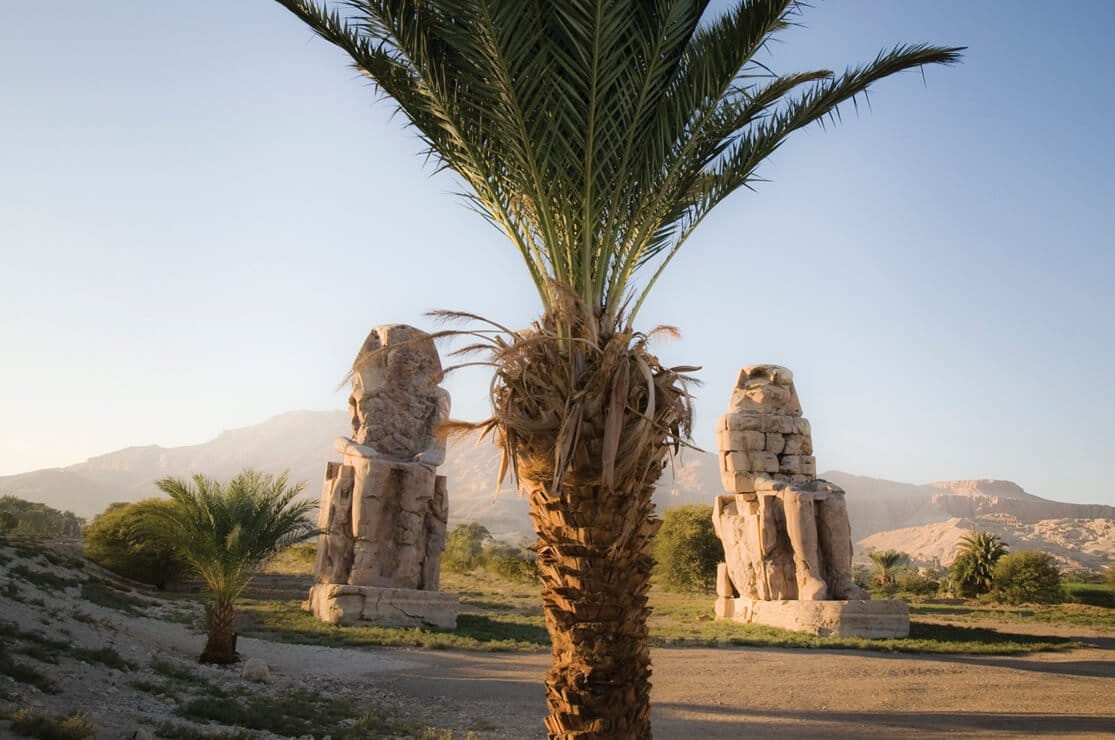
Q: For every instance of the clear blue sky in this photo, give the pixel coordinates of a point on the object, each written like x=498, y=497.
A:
x=203, y=211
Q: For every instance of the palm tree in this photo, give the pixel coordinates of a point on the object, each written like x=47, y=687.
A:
x=886, y=562
x=225, y=533
x=596, y=134
x=982, y=551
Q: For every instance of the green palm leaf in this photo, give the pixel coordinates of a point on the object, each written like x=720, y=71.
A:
x=595, y=134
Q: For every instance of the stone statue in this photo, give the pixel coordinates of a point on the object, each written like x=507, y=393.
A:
x=384, y=510
x=786, y=535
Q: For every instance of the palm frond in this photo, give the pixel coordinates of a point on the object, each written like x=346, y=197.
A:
x=596, y=134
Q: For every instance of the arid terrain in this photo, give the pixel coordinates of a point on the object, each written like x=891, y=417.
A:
x=126, y=659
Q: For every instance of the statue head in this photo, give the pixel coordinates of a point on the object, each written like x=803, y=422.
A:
x=398, y=356
x=765, y=389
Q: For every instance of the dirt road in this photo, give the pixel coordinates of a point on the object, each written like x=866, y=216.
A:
x=758, y=692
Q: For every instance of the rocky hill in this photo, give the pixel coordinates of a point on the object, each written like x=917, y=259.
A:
x=924, y=520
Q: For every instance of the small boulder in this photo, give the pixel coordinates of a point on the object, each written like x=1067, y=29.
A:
x=255, y=670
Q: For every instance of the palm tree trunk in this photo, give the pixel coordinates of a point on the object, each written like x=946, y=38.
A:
x=585, y=414
x=220, y=645
x=594, y=555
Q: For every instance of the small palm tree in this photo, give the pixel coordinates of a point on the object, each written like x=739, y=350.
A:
x=225, y=533
x=982, y=550
x=886, y=562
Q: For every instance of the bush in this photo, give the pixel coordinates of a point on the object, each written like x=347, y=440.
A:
x=963, y=578
x=117, y=540
x=1027, y=577
x=1092, y=594
x=37, y=520
x=514, y=563
x=464, y=547
x=914, y=583
x=687, y=550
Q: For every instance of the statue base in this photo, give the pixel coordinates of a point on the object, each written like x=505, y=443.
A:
x=340, y=603
x=886, y=618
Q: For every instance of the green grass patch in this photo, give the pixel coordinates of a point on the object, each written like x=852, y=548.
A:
x=41, y=578
x=1076, y=615
x=27, y=723
x=285, y=621
x=110, y=597
x=924, y=638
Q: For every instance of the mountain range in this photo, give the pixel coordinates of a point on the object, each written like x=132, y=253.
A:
x=926, y=521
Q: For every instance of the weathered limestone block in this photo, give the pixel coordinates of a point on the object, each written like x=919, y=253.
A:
x=384, y=508
x=877, y=620
x=384, y=607
x=737, y=482
x=786, y=536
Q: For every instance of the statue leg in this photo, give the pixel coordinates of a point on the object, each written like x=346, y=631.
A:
x=836, y=542
x=801, y=526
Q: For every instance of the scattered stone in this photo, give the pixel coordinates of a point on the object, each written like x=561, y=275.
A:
x=255, y=670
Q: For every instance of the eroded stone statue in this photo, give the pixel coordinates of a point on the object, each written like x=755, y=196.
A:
x=786, y=535
x=384, y=509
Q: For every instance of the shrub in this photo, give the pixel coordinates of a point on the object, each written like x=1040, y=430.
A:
x=1028, y=577
x=118, y=540
x=514, y=563
x=687, y=550
x=888, y=564
x=1092, y=594
x=464, y=547
x=37, y=520
x=912, y=582
x=46, y=727
x=972, y=573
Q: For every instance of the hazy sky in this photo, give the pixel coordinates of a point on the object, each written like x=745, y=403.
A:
x=203, y=210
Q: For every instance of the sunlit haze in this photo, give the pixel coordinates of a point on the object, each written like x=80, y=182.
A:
x=203, y=210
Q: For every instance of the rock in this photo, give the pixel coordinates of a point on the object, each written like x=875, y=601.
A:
x=255, y=670
x=141, y=734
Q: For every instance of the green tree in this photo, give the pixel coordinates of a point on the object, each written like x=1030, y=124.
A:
x=38, y=520
x=596, y=134
x=8, y=521
x=464, y=547
x=687, y=550
x=974, y=568
x=1028, y=577
x=887, y=563
x=226, y=533
x=117, y=539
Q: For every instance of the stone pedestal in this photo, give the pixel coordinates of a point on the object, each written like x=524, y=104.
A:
x=871, y=619
x=383, y=607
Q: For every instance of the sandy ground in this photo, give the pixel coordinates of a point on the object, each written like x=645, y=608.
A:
x=698, y=693
x=755, y=692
